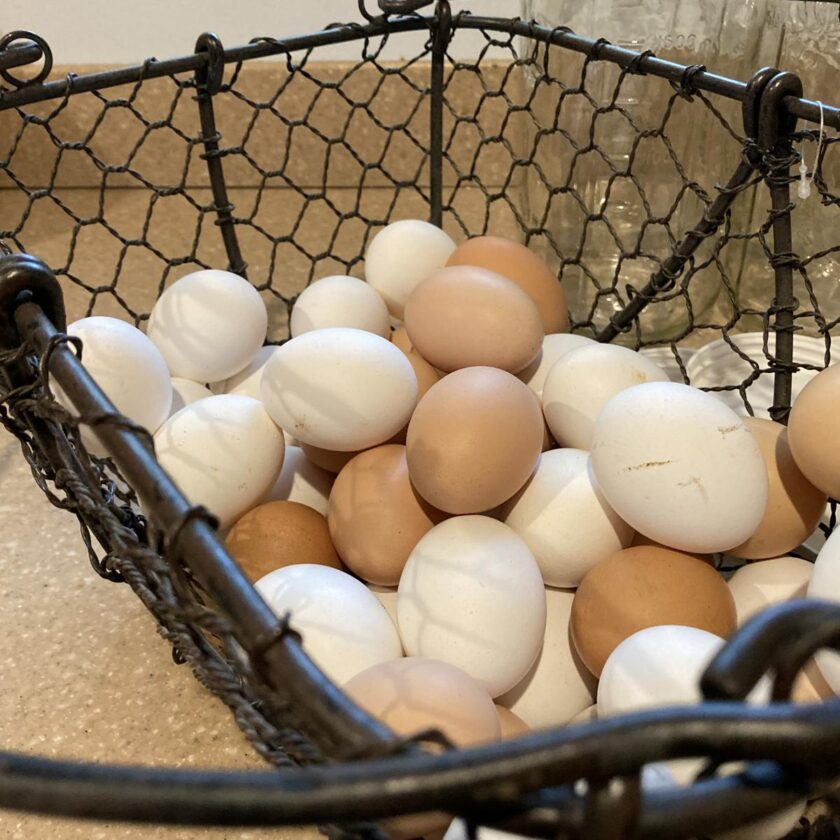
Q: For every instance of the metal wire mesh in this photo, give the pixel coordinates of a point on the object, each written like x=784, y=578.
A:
x=636, y=190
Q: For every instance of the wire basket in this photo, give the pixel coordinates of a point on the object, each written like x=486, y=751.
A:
x=118, y=182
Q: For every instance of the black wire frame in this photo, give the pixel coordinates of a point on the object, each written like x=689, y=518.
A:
x=527, y=784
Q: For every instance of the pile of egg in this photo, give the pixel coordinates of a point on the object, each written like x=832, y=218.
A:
x=477, y=521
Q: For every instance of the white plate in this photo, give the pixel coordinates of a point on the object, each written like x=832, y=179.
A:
x=717, y=364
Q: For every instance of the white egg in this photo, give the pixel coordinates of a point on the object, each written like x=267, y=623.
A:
x=403, y=254
x=756, y=586
x=247, y=381
x=565, y=519
x=581, y=382
x=458, y=831
x=557, y=687
x=208, y=325
x=223, y=452
x=589, y=714
x=387, y=596
x=554, y=347
x=340, y=301
x=186, y=392
x=340, y=389
x=471, y=595
x=825, y=583
x=301, y=481
x=344, y=628
x=128, y=368
x=679, y=467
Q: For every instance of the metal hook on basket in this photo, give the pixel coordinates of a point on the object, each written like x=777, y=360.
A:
x=24, y=54
x=210, y=76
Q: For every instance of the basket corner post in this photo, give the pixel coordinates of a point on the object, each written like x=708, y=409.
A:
x=441, y=35
x=27, y=279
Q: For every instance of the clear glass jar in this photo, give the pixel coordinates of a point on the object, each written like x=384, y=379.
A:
x=807, y=40
x=633, y=177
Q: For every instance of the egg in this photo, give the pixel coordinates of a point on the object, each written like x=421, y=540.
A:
x=344, y=629
x=403, y=254
x=554, y=347
x=247, y=381
x=641, y=587
x=334, y=462
x=825, y=583
x=375, y=515
x=680, y=467
x=757, y=586
x=223, y=452
x=425, y=373
x=339, y=388
x=277, y=534
x=523, y=267
x=465, y=316
x=186, y=392
x=471, y=595
x=301, y=481
x=474, y=440
x=127, y=367
x=458, y=831
x=794, y=505
x=387, y=596
x=589, y=714
x=811, y=427
x=641, y=539
x=557, y=687
x=340, y=301
x=512, y=726
x=413, y=694
x=565, y=519
x=208, y=325
x=582, y=381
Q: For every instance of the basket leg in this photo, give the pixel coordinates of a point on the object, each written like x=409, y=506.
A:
x=442, y=34
x=774, y=136
x=208, y=79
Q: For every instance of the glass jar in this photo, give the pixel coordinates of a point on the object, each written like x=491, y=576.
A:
x=627, y=165
x=807, y=39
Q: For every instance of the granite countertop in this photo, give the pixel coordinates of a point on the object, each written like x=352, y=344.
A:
x=85, y=675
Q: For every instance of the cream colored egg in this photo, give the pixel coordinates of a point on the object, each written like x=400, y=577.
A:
x=127, y=367
x=340, y=301
x=403, y=254
x=825, y=583
x=301, y=481
x=340, y=389
x=554, y=347
x=558, y=686
x=471, y=595
x=344, y=628
x=565, y=519
x=679, y=467
x=759, y=585
x=581, y=382
x=223, y=452
x=186, y=392
x=247, y=381
x=208, y=325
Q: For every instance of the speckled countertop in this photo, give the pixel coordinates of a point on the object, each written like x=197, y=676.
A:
x=85, y=676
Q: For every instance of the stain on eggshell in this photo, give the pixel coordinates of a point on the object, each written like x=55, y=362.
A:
x=425, y=373
x=278, y=534
x=794, y=505
x=644, y=587
x=375, y=515
x=474, y=440
x=465, y=316
x=522, y=266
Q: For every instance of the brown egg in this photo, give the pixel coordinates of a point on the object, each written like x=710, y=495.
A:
x=279, y=534
x=523, y=267
x=794, y=505
x=474, y=440
x=413, y=694
x=425, y=373
x=512, y=725
x=644, y=587
x=465, y=316
x=375, y=515
x=812, y=431
x=641, y=539
x=334, y=462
